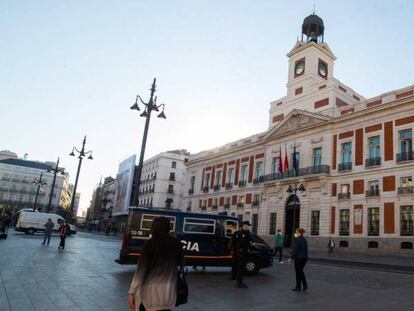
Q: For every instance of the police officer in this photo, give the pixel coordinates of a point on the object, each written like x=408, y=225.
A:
x=242, y=240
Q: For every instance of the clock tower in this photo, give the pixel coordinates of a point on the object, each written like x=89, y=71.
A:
x=311, y=60
x=311, y=83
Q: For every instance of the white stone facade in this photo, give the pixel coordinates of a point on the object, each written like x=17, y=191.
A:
x=163, y=179
x=358, y=185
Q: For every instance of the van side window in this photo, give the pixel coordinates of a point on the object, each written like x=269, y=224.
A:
x=200, y=226
x=231, y=227
x=147, y=219
x=60, y=221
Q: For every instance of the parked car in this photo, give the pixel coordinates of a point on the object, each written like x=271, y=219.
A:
x=206, y=238
x=30, y=223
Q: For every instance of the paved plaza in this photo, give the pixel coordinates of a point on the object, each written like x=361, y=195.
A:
x=85, y=277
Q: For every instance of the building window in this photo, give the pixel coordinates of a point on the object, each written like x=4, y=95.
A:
x=344, y=222
x=215, y=203
x=171, y=189
x=296, y=165
x=406, y=181
x=243, y=174
x=374, y=147
x=272, y=224
x=344, y=192
x=256, y=198
x=315, y=223
x=317, y=157
x=275, y=165
x=240, y=217
x=172, y=176
x=255, y=223
x=373, y=188
x=406, y=220
x=174, y=164
x=259, y=169
x=227, y=202
x=241, y=199
x=218, y=178
x=230, y=175
x=406, y=144
x=346, y=155
x=373, y=221
x=192, y=182
x=207, y=180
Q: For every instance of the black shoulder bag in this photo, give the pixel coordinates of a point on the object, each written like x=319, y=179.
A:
x=182, y=286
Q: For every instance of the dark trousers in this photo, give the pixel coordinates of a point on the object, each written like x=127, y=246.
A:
x=62, y=241
x=142, y=308
x=279, y=249
x=300, y=275
x=237, y=268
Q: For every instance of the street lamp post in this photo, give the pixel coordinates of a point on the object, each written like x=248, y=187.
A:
x=39, y=182
x=55, y=171
x=81, y=154
x=150, y=106
x=295, y=190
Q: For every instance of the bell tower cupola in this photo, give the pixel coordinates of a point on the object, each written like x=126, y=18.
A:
x=313, y=29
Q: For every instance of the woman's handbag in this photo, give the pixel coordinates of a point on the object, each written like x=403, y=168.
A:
x=182, y=287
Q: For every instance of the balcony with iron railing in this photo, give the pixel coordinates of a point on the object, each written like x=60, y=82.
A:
x=258, y=180
x=346, y=166
x=226, y=206
x=372, y=192
x=172, y=178
x=229, y=186
x=214, y=207
x=203, y=207
x=242, y=183
x=406, y=190
x=216, y=188
x=170, y=191
x=305, y=171
x=373, y=162
x=206, y=189
x=190, y=191
x=255, y=204
x=16, y=179
x=240, y=204
x=344, y=195
x=405, y=156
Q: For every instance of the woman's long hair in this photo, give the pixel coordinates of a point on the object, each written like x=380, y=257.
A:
x=160, y=255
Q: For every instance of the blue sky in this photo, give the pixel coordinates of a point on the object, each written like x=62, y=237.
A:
x=70, y=68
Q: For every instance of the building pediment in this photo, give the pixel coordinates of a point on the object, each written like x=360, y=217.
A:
x=296, y=120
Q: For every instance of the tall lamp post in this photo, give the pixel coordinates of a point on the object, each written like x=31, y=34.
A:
x=294, y=190
x=38, y=182
x=55, y=171
x=81, y=154
x=150, y=106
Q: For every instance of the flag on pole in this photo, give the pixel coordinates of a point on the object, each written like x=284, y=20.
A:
x=280, y=164
x=294, y=160
x=286, y=166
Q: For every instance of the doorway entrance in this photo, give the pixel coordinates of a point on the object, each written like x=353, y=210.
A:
x=292, y=215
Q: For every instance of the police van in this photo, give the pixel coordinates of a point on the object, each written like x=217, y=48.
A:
x=206, y=238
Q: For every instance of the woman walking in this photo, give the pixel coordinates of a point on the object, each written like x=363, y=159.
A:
x=300, y=256
x=154, y=285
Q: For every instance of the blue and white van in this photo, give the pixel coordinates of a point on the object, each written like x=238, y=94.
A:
x=206, y=238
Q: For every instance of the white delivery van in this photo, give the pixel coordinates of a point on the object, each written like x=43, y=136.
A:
x=31, y=223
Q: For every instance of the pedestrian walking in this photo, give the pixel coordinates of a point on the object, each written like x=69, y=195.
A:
x=331, y=246
x=300, y=257
x=63, y=232
x=242, y=240
x=154, y=285
x=279, y=245
x=49, y=225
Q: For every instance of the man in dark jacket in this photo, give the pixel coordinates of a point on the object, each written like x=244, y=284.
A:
x=63, y=232
x=48, y=231
x=300, y=256
x=242, y=240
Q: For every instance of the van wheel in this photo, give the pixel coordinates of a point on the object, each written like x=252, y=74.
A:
x=251, y=266
x=31, y=231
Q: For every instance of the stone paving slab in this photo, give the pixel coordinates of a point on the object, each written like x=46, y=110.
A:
x=85, y=277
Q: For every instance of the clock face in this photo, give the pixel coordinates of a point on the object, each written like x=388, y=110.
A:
x=323, y=69
x=299, y=68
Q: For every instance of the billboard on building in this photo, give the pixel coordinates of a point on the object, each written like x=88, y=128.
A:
x=124, y=180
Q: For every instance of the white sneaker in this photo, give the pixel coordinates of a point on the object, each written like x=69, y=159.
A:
x=280, y=262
